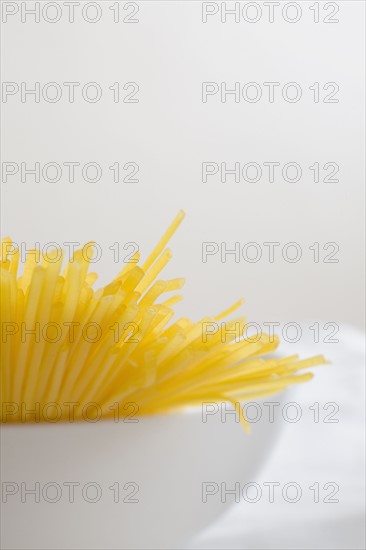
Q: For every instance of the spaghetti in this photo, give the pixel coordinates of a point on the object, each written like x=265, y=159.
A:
x=131, y=351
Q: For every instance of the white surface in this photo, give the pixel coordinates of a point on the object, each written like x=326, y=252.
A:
x=308, y=452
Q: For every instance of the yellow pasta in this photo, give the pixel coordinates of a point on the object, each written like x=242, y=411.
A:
x=64, y=342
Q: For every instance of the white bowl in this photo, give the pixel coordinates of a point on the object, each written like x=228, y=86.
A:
x=160, y=462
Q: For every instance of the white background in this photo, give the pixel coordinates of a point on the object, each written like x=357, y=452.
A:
x=170, y=133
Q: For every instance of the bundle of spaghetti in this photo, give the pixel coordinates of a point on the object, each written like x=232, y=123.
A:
x=133, y=351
